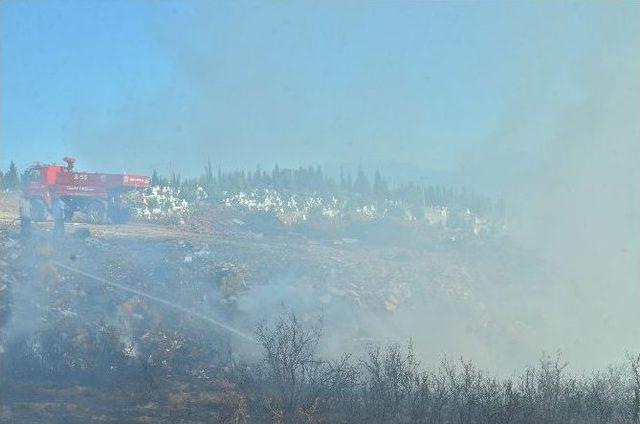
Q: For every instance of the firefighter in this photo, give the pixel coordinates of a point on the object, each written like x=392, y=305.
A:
x=57, y=210
x=25, y=217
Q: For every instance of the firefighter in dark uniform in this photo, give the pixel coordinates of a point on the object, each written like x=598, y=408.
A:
x=25, y=217
x=57, y=211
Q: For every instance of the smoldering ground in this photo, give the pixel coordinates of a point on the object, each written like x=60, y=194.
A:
x=147, y=360
x=445, y=299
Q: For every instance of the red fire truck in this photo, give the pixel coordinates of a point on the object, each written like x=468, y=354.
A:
x=98, y=196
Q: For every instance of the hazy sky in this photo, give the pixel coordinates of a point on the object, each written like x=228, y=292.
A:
x=133, y=85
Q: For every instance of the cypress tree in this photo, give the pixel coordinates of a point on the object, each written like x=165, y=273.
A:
x=11, y=179
x=361, y=185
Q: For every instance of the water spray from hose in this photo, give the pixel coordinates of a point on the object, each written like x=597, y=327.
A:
x=156, y=299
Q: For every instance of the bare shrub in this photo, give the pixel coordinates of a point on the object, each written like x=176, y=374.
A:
x=635, y=367
x=465, y=386
x=290, y=361
x=336, y=387
x=388, y=385
x=389, y=382
x=291, y=384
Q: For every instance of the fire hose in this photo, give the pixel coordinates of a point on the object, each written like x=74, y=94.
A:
x=156, y=299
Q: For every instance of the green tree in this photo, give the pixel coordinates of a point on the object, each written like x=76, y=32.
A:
x=380, y=188
x=361, y=184
x=175, y=180
x=11, y=179
x=208, y=174
x=155, y=179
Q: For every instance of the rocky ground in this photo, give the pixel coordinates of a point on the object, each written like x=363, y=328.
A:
x=365, y=292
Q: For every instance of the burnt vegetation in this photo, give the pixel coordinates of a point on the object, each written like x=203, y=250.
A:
x=388, y=384
x=291, y=382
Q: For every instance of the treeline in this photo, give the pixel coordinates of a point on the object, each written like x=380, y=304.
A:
x=358, y=190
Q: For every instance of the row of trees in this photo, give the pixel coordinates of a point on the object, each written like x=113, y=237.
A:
x=312, y=180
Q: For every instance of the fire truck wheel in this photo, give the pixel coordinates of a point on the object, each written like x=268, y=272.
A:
x=38, y=209
x=96, y=212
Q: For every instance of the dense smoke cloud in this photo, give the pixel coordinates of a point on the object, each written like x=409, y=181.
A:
x=574, y=192
x=563, y=152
